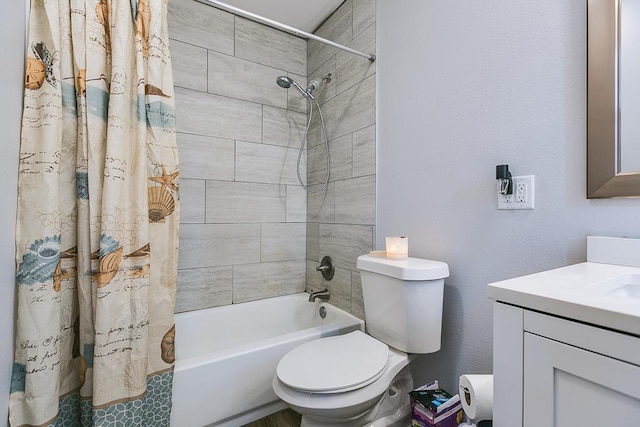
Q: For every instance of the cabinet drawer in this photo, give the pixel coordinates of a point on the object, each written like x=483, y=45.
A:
x=598, y=340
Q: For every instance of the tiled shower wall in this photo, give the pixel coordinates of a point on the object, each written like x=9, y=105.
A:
x=249, y=231
x=243, y=215
x=341, y=219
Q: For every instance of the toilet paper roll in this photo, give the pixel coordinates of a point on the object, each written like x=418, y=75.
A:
x=476, y=394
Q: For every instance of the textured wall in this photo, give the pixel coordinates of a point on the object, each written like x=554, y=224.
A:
x=243, y=228
x=341, y=219
x=12, y=34
x=464, y=86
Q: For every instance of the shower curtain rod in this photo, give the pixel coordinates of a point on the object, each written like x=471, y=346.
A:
x=288, y=29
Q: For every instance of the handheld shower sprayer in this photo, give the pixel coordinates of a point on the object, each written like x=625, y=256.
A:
x=286, y=82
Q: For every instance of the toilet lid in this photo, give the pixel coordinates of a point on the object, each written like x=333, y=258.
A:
x=334, y=364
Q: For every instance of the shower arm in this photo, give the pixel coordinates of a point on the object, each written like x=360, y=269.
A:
x=283, y=27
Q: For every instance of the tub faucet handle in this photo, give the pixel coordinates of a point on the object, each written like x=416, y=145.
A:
x=323, y=295
x=326, y=268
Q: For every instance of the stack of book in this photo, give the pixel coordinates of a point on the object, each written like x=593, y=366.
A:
x=434, y=407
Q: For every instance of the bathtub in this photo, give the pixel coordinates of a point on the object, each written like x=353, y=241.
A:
x=226, y=356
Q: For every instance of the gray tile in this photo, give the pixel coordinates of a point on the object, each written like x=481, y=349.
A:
x=258, y=281
x=283, y=127
x=327, y=89
x=246, y=80
x=212, y=245
x=189, y=65
x=268, y=46
x=201, y=25
x=357, y=301
x=212, y=115
x=321, y=206
x=317, y=164
x=200, y=288
x=345, y=243
x=341, y=155
x=350, y=110
x=315, y=281
x=204, y=157
x=313, y=242
x=340, y=289
x=268, y=164
x=192, y=197
x=316, y=137
x=352, y=69
x=283, y=242
x=373, y=239
x=239, y=202
x=296, y=203
x=295, y=100
x=364, y=151
x=355, y=200
x=364, y=15
x=338, y=28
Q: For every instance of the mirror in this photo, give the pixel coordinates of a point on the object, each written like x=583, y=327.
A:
x=629, y=87
x=613, y=98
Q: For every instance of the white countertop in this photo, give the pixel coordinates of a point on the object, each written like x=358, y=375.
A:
x=575, y=292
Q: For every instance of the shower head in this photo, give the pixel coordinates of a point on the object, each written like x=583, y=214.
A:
x=286, y=82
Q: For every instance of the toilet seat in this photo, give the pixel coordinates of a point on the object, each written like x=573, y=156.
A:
x=334, y=364
x=346, y=404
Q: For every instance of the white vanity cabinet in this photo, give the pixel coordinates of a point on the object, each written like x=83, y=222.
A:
x=566, y=342
x=549, y=371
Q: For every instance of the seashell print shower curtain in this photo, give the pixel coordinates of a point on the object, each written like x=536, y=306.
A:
x=97, y=230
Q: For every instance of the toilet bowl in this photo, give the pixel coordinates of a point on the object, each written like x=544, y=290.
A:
x=341, y=402
x=362, y=379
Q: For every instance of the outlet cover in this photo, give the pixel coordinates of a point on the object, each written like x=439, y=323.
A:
x=523, y=196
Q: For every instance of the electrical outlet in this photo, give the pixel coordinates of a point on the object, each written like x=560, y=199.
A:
x=523, y=194
x=504, y=200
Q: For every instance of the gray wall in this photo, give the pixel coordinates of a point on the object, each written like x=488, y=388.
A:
x=341, y=219
x=464, y=86
x=12, y=35
x=243, y=215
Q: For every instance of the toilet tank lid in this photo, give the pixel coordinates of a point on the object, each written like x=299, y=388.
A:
x=405, y=269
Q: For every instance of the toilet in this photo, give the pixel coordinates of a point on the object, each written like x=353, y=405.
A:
x=360, y=379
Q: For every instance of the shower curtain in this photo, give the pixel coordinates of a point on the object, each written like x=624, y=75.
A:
x=97, y=228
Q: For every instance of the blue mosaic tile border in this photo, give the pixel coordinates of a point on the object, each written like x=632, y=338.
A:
x=154, y=409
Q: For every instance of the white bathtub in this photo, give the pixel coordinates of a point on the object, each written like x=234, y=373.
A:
x=227, y=356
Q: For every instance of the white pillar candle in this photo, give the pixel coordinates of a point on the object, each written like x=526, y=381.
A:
x=397, y=247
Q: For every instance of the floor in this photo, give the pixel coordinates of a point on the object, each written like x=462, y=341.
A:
x=285, y=418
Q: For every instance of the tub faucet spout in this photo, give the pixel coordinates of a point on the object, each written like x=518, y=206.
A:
x=323, y=295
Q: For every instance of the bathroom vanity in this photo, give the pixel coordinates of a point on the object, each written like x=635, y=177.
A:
x=567, y=342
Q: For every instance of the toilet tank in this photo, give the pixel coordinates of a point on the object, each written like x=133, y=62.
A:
x=403, y=301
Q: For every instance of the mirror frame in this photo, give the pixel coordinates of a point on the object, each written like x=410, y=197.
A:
x=603, y=117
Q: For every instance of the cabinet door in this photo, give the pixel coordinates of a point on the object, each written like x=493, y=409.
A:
x=566, y=386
